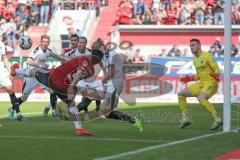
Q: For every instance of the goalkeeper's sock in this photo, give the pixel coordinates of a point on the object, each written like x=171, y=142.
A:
x=121, y=116
x=183, y=107
x=210, y=108
x=75, y=116
x=23, y=72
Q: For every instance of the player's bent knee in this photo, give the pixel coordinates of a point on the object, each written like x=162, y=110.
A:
x=24, y=98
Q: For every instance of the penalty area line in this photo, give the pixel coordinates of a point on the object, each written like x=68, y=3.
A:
x=134, y=152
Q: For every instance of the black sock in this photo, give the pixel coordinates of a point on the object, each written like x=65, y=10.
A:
x=121, y=116
x=20, y=101
x=98, y=103
x=84, y=104
x=53, y=100
x=15, y=103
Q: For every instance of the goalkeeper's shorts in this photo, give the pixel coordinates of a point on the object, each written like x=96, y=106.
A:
x=209, y=88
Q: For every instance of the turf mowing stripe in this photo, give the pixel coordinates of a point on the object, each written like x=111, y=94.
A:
x=85, y=138
x=124, y=154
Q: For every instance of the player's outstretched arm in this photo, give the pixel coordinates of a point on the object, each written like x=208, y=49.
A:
x=6, y=63
x=60, y=57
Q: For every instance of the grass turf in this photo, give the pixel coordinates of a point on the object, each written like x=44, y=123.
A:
x=49, y=138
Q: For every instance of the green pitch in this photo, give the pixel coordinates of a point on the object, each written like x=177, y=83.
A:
x=51, y=139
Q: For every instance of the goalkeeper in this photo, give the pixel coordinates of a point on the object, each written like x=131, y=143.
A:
x=208, y=77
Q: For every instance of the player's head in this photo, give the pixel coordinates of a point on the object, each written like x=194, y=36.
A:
x=99, y=45
x=96, y=56
x=82, y=43
x=45, y=41
x=195, y=46
x=74, y=40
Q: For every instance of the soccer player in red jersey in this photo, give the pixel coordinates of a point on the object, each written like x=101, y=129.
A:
x=63, y=79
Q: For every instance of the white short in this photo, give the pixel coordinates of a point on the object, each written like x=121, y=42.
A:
x=4, y=79
x=113, y=91
x=30, y=83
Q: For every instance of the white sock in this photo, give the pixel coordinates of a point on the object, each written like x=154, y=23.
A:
x=23, y=72
x=49, y=105
x=75, y=116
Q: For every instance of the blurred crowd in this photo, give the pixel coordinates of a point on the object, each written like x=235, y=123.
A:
x=16, y=16
x=173, y=12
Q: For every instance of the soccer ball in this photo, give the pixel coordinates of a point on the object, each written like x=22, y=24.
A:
x=25, y=43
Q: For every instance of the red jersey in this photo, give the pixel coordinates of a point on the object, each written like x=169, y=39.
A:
x=62, y=76
x=66, y=50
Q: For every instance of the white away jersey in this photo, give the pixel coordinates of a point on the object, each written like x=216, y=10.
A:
x=112, y=58
x=76, y=53
x=39, y=56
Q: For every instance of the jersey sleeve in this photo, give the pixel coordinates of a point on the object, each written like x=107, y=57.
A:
x=33, y=53
x=213, y=64
x=2, y=49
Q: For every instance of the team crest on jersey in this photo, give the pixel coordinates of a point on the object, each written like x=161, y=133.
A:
x=85, y=63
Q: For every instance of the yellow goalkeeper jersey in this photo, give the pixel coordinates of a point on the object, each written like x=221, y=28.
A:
x=205, y=64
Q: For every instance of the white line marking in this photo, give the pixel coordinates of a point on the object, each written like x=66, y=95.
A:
x=85, y=138
x=124, y=154
x=33, y=113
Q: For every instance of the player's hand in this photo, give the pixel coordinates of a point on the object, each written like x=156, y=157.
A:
x=71, y=92
x=216, y=76
x=187, y=79
x=10, y=77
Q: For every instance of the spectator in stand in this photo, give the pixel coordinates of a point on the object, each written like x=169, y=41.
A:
x=34, y=13
x=175, y=51
x=217, y=43
x=199, y=13
x=141, y=7
x=137, y=20
x=184, y=14
x=44, y=12
x=134, y=7
x=209, y=2
x=71, y=31
x=213, y=51
x=130, y=53
x=234, y=51
x=125, y=13
x=209, y=15
x=9, y=11
x=79, y=32
x=161, y=15
x=163, y=52
x=166, y=4
x=190, y=6
x=171, y=15
x=10, y=29
x=137, y=57
x=19, y=27
x=219, y=12
x=147, y=17
x=185, y=52
x=155, y=7
x=2, y=7
x=22, y=14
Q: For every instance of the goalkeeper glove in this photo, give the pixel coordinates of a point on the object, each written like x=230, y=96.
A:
x=187, y=79
x=216, y=76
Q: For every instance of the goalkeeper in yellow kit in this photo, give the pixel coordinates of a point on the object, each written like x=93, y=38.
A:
x=208, y=77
